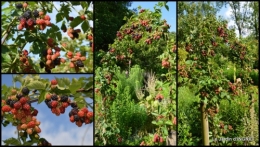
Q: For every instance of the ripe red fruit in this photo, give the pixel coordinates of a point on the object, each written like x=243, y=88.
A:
x=6, y=108
x=62, y=110
x=65, y=104
x=90, y=37
x=25, y=5
x=72, y=119
x=161, y=140
x=26, y=107
x=29, y=131
x=31, y=124
x=79, y=123
x=72, y=65
x=47, y=17
x=155, y=138
x=41, y=13
x=90, y=114
x=24, y=126
x=35, y=112
x=48, y=96
x=17, y=105
x=85, y=110
x=87, y=121
x=81, y=113
x=70, y=53
x=54, y=104
x=54, y=82
x=62, y=60
x=13, y=111
x=78, y=54
x=83, y=17
x=37, y=129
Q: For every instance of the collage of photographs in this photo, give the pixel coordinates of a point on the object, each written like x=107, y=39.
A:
x=130, y=73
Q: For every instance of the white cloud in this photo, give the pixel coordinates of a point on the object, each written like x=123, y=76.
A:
x=58, y=134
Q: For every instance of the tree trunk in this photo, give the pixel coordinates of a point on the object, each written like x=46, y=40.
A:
x=205, y=125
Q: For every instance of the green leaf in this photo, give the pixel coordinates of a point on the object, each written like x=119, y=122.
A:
x=167, y=7
x=18, y=78
x=7, y=10
x=6, y=58
x=75, y=3
x=168, y=122
x=85, y=26
x=74, y=87
x=76, y=21
x=160, y=122
x=84, y=4
x=165, y=131
x=80, y=102
x=154, y=122
x=59, y=36
x=155, y=114
x=4, y=49
x=36, y=85
x=6, y=123
x=42, y=96
x=59, y=17
x=125, y=18
x=12, y=141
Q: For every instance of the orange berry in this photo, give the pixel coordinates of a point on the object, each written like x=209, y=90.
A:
x=83, y=58
x=29, y=131
x=72, y=65
x=25, y=5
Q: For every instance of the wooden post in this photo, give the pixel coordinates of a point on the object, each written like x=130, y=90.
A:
x=205, y=125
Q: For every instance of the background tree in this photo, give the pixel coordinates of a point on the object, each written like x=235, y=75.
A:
x=108, y=19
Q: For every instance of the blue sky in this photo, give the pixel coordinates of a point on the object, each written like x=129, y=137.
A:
x=53, y=20
x=56, y=129
x=170, y=15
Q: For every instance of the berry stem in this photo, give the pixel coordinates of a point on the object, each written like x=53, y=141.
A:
x=6, y=33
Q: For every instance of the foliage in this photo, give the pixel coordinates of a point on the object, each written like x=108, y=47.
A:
x=207, y=48
x=30, y=24
x=136, y=78
x=57, y=94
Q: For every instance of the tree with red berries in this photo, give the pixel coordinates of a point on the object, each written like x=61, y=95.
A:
x=135, y=83
x=40, y=38
x=206, y=48
x=58, y=95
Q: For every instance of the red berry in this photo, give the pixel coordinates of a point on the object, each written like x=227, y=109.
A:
x=85, y=110
x=62, y=110
x=25, y=5
x=23, y=100
x=48, y=96
x=78, y=54
x=26, y=107
x=54, y=104
x=90, y=114
x=41, y=13
x=37, y=129
x=47, y=17
x=87, y=121
x=30, y=22
x=24, y=126
x=90, y=37
x=72, y=119
x=62, y=60
x=14, y=111
x=161, y=140
x=6, y=108
x=54, y=82
x=17, y=105
x=83, y=17
x=29, y=131
x=35, y=112
x=81, y=113
x=31, y=124
x=70, y=53
x=65, y=104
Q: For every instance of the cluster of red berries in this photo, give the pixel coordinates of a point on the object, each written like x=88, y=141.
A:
x=159, y=97
x=19, y=105
x=233, y=88
x=182, y=71
x=80, y=116
x=157, y=138
x=222, y=33
x=58, y=104
x=90, y=38
x=29, y=19
x=166, y=63
x=25, y=64
x=51, y=56
x=76, y=59
x=73, y=33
